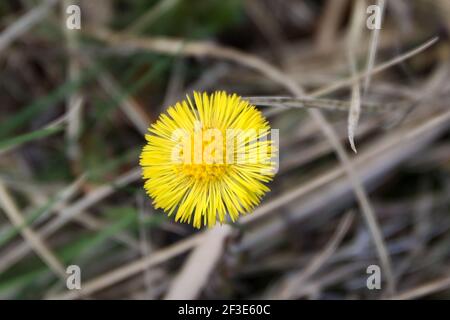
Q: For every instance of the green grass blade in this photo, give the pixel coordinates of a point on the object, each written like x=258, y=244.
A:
x=27, y=137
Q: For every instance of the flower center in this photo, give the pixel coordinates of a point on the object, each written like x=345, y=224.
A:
x=203, y=172
x=202, y=155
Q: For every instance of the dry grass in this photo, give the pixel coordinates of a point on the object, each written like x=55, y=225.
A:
x=327, y=82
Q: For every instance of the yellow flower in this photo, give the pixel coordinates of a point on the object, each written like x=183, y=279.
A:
x=205, y=159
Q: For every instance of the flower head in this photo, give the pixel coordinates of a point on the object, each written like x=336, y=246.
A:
x=208, y=157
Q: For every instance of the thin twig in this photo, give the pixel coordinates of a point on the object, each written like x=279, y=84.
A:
x=317, y=262
x=25, y=23
x=69, y=213
x=373, y=48
x=34, y=241
x=130, y=269
x=425, y=289
x=199, y=266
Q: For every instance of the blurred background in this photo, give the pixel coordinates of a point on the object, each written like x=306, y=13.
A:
x=75, y=105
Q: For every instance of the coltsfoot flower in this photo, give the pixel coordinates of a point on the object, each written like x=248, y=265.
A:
x=208, y=158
